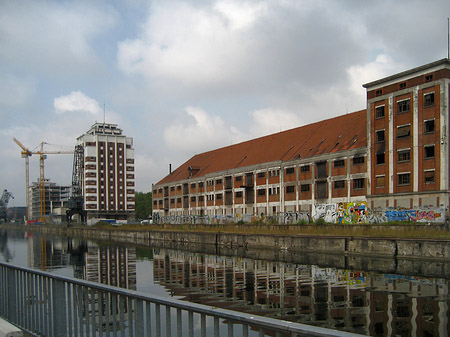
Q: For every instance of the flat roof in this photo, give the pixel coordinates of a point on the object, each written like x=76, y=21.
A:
x=408, y=72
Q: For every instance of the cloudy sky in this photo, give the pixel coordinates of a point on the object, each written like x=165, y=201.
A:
x=184, y=77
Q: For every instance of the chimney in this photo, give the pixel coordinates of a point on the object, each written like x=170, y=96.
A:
x=170, y=168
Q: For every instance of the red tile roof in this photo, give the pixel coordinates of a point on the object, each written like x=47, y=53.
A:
x=329, y=136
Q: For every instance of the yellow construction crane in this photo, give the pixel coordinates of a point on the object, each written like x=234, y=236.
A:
x=26, y=153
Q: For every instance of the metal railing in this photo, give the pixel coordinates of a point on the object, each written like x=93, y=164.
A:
x=49, y=305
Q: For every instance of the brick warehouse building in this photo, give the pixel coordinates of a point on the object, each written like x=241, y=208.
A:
x=393, y=154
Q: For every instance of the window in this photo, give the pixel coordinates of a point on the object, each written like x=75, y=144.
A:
x=179, y=188
x=201, y=198
x=379, y=92
x=193, y=185
x=404, y=155
x=379, y=136
x=379, y=181
x=290, y=189
x=428, y=99
x=428, y=78
x=274, y=190
x=218, y=196
x=403, y=131
x=304, y=188
x=262, y=191
x=239, y=194
x=358, y=160
x=219, y=182
x=429, y=126
x=274, y=173
x=379, y=111
x=172, y=188
x=403, y=179
x=261, y=174
x=339, y=184
x=429, y=151
x=402, y=85
x=200, y=184
x=210, y=197
x=403, y=106
x=358, y=183
x=380, y=158
x=429, y=177
x=193, y=199
x=290, y=170
x=339, y=163
x=172, y=201
x=304, y=168
x=239, y=178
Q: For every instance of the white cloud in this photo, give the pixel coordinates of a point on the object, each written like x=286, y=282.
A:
x=45, y=36
x=267, y=121
x=199, y=132
x=383, y=66
x=76, y=101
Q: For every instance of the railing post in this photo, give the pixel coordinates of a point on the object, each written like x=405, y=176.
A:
x=59, y=308
x=12, y=304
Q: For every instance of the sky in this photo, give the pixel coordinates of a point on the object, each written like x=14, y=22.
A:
x=185, y=77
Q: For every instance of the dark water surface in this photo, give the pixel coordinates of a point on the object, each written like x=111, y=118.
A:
x=368, y=299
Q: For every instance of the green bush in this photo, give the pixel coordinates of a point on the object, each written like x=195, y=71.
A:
x=301, y=222
x=320, y=221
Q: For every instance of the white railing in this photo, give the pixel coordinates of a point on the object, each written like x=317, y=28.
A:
x=49, y=305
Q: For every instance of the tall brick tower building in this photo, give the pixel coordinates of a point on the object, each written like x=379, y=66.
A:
x=108, y=173
x=408, y=127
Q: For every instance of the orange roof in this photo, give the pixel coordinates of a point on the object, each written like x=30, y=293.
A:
x=329, y=136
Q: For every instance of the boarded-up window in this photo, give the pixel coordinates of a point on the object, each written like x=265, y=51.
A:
x=403, y=131
x=380, y=181
x=321, y=170
x=321, y=190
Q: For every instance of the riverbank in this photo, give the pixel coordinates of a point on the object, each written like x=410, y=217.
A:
x=398, y=247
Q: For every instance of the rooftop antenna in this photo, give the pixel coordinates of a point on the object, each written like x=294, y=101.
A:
x=104, y=114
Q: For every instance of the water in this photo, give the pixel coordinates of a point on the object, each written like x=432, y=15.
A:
x=377, y=303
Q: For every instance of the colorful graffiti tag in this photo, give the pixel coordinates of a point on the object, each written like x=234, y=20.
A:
x=358, y=212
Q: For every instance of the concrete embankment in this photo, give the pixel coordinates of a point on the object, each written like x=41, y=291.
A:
x=352, y=246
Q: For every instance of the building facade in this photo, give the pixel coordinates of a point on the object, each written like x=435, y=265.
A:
x=108, y=173
x=393, y=154
x=55, y=197
x=408, y=127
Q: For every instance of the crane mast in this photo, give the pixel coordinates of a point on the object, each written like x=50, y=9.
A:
x=76, y=201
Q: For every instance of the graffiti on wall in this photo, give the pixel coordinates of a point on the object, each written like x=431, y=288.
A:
x=416, y=215
x=358, y=212
x=341, y=213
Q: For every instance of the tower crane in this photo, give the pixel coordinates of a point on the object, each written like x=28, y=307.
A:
x=26, y=153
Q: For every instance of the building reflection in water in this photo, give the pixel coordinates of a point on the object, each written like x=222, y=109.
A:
x=363, y=302
x=110, y=265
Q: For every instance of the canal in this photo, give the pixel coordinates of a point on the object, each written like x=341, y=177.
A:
x=367, y=298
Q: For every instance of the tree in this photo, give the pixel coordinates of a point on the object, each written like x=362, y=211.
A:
x=143, y=204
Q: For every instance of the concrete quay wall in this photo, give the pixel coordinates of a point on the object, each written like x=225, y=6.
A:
x=385, y=247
